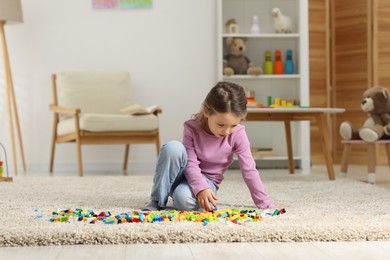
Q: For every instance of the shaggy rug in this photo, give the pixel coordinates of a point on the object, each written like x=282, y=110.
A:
x=317, y=210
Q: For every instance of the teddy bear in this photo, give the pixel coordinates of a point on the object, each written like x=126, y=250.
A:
x=376, y=102
x=236, y=62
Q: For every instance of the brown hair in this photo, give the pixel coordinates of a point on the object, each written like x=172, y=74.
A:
x=224, y=97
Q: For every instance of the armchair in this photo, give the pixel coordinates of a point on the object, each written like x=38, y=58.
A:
x=87, y=108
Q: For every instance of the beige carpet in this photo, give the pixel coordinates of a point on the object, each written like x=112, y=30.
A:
x=317, y=210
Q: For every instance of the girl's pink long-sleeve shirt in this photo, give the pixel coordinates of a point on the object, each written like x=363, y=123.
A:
x=211, y=156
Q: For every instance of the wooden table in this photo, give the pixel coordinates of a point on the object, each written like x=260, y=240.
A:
x=299, y=114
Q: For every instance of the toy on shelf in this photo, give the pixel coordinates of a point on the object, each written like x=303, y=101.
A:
x=2, y=178
x=250, y=98
x=236, y=63
x=279, y=102
x=282, y=22
x=269, y=101
x=289, y=64
x=231, y=26
x=255, y=27
x=251, y=102
x=278, y=64
x=268, y=66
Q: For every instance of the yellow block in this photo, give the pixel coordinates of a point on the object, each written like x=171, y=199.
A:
x=277, y=102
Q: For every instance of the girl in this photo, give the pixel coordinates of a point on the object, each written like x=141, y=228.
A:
x=190, y=172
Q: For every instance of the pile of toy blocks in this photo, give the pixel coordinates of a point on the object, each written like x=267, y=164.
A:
x=234, y=215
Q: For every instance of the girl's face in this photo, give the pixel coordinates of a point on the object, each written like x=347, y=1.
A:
x=222, y=124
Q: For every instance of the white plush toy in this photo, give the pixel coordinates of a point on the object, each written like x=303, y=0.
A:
x=282, y=22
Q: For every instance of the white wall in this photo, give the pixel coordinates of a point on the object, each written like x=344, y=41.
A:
x=169, y=50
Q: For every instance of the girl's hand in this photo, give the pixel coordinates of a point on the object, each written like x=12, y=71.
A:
x=205, y=197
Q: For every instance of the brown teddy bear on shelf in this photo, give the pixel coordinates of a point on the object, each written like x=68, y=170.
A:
x=236, y=63
x=376, y=102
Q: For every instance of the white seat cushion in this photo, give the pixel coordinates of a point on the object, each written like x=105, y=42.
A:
x=109, y=122
x=97, y=92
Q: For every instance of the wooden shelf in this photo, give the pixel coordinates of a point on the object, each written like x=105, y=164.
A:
x=263, y=35
x=284, y=86
x=5, y=179
x=249, y=77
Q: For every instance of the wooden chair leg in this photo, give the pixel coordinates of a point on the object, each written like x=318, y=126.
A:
x=371, y=163
x=158, y=144
x=79, y=159
x=78, y=144
x=388, y=153
x=53, y=144
x=127, y=148
x=344, y=162
x=52, y=158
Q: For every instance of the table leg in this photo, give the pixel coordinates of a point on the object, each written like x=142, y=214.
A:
x=344, y=161
x=388, y=153
x=287, y=127
x=323, y=129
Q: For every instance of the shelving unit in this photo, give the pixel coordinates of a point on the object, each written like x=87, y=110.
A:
x=292, y=86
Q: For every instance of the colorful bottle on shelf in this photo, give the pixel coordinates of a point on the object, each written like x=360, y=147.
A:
x=1, y=168
x=268, y=66
x=269, y=101
x=255, y=27
x=289, y=64
x=278, y=64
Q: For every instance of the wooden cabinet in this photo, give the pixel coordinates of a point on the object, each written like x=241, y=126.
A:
x=361, y=59
x=349, y=52
x=319, y=70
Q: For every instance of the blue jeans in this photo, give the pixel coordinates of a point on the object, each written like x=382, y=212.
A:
x=169, y=179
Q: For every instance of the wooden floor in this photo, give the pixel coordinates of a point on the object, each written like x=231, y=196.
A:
x=285, y=251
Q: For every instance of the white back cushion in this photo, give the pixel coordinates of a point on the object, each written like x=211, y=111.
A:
x=98, y=92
